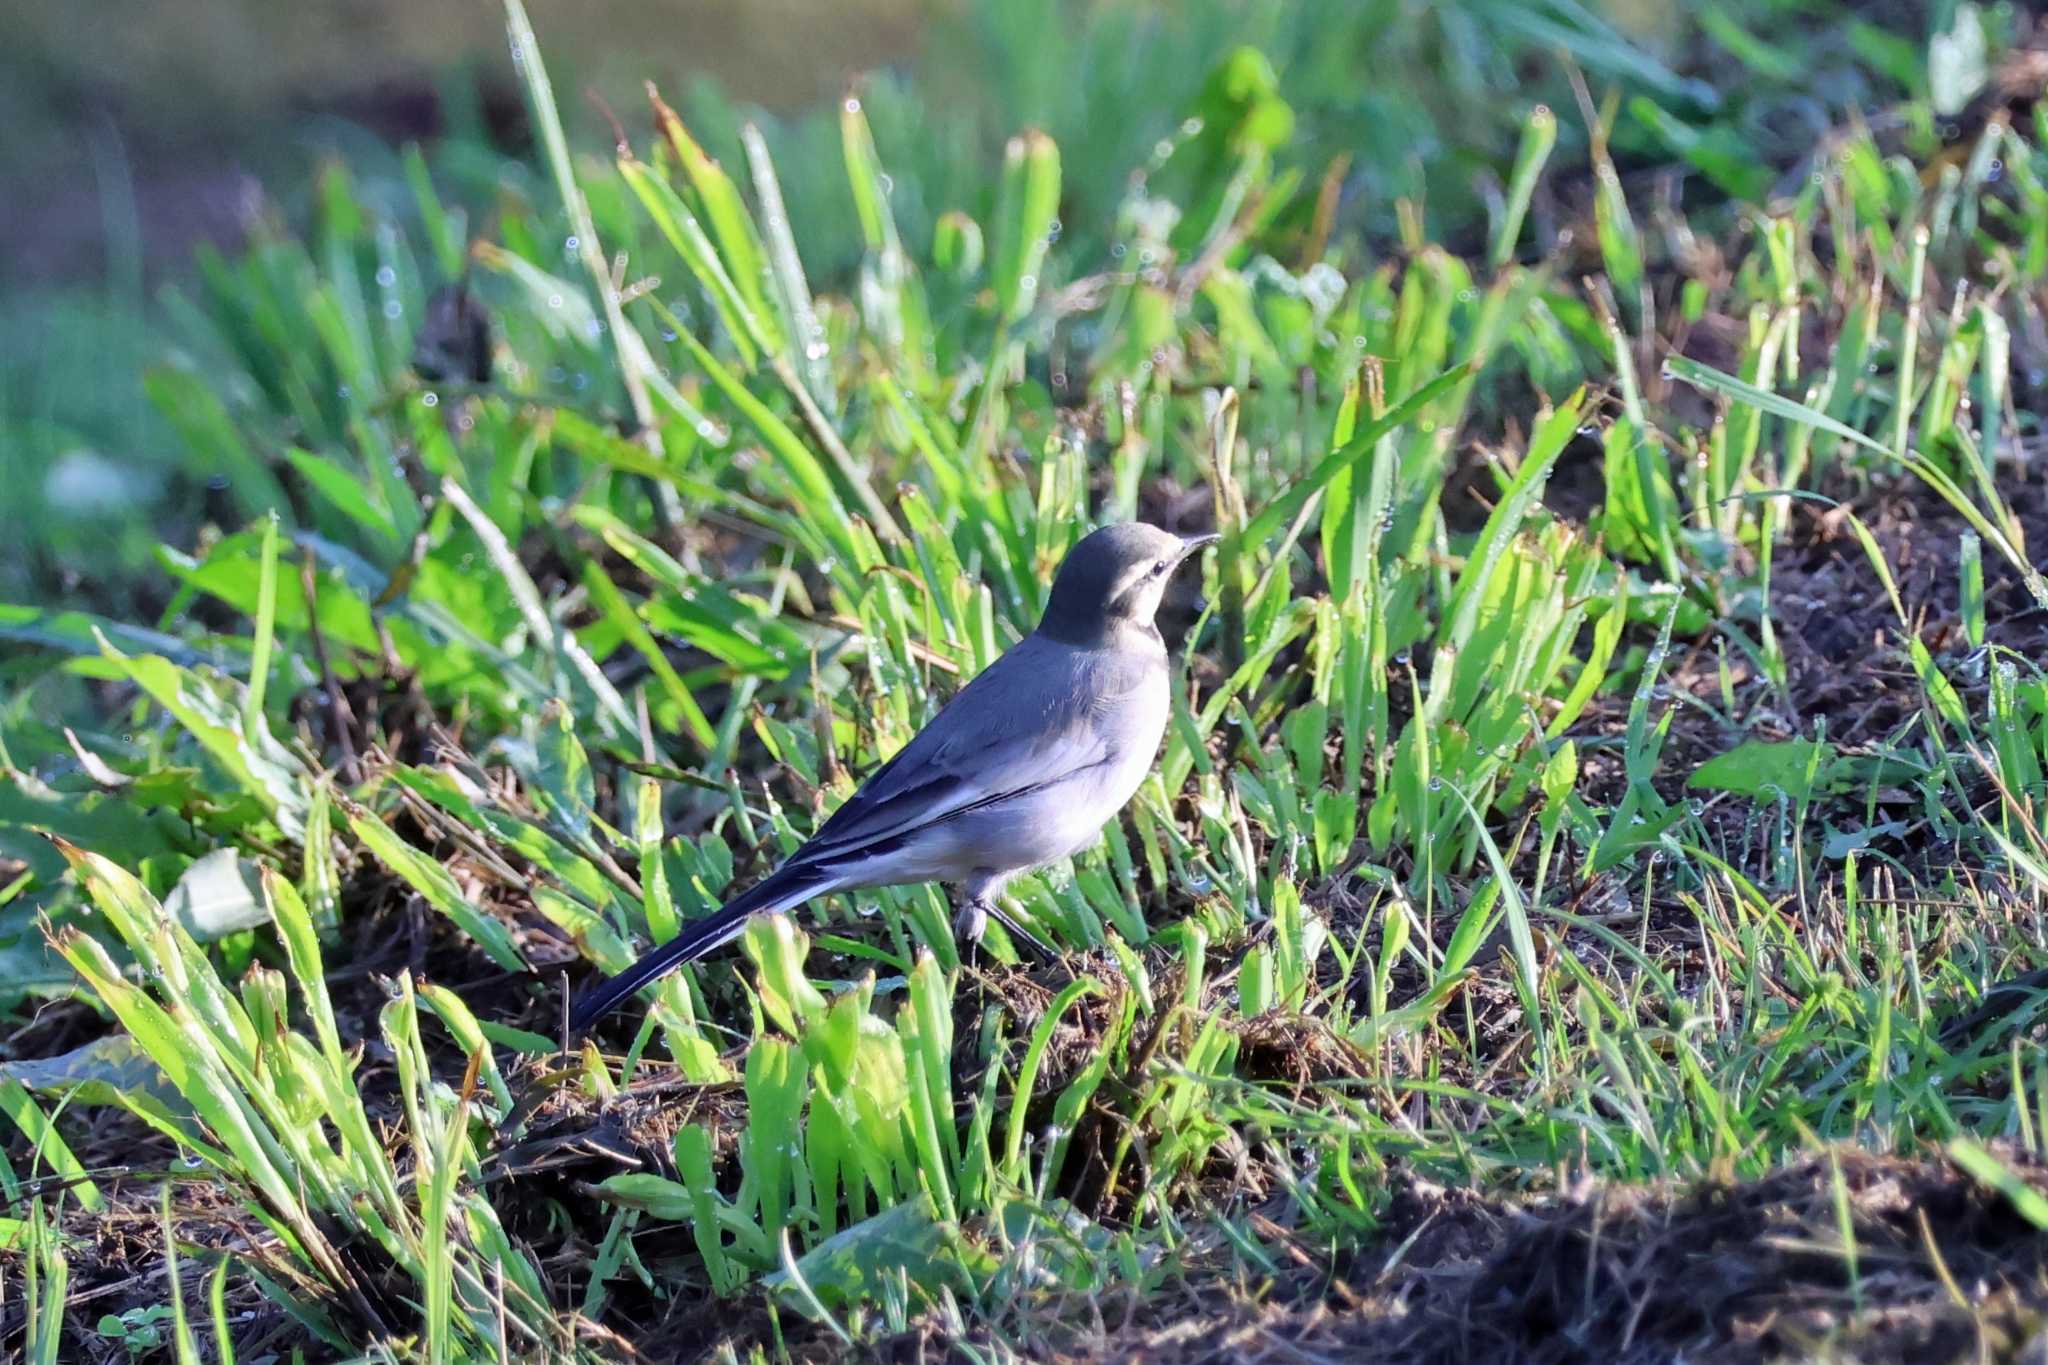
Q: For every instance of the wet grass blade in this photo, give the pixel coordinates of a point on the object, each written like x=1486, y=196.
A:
x=1539, y=137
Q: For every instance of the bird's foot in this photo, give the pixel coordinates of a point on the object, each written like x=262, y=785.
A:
x=970, y=922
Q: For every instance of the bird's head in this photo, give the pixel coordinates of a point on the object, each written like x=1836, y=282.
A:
x=1114, y=578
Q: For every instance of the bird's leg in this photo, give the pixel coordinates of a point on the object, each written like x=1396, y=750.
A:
x=1020, y=936
x=972, y=922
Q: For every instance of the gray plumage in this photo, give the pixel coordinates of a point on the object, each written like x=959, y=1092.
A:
x=1023, y=767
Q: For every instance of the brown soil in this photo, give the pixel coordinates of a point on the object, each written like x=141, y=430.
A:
x=1942, y=1270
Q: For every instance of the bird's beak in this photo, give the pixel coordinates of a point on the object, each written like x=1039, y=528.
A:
x=1190, y=546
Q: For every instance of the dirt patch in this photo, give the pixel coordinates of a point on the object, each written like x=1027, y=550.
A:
x=1942, y=1269
x=116, y=1264
x=1840, y=630
x=1848, y=674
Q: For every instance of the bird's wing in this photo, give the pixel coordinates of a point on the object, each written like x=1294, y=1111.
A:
x=1025, y=722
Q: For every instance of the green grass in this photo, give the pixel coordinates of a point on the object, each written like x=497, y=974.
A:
x=1504, y=836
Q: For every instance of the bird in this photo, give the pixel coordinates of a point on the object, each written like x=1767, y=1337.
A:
x=1023, y=767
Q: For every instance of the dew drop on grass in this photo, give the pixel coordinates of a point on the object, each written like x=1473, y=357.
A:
x=1401, y=659
x=1696, y=806
x=386, y=276
x=1436, y=784
x=430, y=399
x=393, y=309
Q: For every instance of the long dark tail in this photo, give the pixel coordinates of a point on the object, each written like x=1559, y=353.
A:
x=779, y=890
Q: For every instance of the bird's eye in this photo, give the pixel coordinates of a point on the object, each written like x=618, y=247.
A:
x=1156, y=569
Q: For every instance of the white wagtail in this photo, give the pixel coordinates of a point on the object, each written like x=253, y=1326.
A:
x=1022, y=768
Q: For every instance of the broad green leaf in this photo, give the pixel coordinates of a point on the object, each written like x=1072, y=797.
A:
x=909, y=1240
x=1764, y=768
x=218, y=895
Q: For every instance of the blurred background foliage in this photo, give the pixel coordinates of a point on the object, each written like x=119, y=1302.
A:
x=139, y=132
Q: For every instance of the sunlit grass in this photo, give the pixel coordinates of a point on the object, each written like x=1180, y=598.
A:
x=1433, y=878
